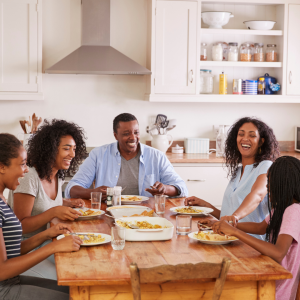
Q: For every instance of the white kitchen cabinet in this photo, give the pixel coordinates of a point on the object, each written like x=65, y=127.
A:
x=206, y=182
x=175, y=47
x=293, y=50
x=20, y=50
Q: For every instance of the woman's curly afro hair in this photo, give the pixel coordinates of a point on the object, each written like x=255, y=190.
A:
x=43, y=147
x=269, y=149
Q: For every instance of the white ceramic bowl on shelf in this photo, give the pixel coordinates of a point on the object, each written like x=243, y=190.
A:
x=216, y=19
x=260, y=25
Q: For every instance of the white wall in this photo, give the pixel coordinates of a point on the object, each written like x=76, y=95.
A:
x=93, y=101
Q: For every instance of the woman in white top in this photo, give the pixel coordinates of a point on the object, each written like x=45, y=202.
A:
x=250, y=149
x=56, y=147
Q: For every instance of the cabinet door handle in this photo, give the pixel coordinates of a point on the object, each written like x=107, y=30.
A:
x=199, y=180
x=192, y=76
x=290, y=77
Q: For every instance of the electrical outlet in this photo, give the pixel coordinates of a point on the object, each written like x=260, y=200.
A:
x=216, y=131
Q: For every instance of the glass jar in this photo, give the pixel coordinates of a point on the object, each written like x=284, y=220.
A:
x=233, y=52
x=271, y=53
x=246, y=51
x=203, y=54
x=259, y=54
x=217, y=52
x=206, y=82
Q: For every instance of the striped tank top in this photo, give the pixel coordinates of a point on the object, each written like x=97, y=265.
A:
x=11, y=229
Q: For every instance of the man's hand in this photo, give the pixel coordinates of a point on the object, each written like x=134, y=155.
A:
x=157, y=189
x=103, y=190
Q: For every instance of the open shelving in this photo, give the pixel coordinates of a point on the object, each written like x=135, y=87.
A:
x=251, y=64
x=242, y=32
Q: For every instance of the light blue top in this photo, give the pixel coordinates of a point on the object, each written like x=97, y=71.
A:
x=239, y=188
x=104, y=163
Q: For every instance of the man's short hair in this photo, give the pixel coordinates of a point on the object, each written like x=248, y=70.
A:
x=125, y=117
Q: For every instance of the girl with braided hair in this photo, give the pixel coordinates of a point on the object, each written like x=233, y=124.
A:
x=281, y=226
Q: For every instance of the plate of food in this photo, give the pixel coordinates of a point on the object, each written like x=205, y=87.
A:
x=89, y=239
x=132, y=199
x=134, y=211
x=89, y=213
x=208, y=237
x=191, y=210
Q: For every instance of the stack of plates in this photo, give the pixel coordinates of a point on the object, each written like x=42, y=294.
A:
x=249, y=87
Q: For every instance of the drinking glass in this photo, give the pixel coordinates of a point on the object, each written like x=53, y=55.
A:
x=118, y=238
x=117, y=195
x=160, y=201
x=183, y=224
x=96, y=200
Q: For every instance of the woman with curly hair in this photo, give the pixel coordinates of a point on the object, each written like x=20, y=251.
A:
x=56, y=147
x=250, y=149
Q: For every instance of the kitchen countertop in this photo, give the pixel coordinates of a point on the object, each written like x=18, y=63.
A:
x=209, y=158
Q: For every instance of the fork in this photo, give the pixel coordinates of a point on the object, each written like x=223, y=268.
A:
x=85, y=236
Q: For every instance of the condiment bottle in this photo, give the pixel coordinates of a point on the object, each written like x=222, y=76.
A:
x=223, y=84
x=203, y=54
x=110, y=196
x=117, y=195
x=271, y=53
x=233, y=52
x=259, y=52
x=261, y=86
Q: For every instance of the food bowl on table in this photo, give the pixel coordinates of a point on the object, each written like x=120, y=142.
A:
x=161, y=229
x=260, y=25
x=216, y=19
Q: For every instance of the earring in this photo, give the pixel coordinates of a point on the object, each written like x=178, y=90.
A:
x=259, y=150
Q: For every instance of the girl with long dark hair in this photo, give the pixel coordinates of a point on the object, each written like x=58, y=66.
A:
x=281, y=226
x=16, y=256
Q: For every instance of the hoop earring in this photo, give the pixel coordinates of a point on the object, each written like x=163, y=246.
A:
x=259, y=150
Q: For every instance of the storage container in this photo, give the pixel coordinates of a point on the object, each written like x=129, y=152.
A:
x=249, y=87
x=271, y=53
x=233, y=52
x=246, y=51
x=196, y=145
x=259, y=54
x=206, y=82
x=160, y=234
x=203, y=54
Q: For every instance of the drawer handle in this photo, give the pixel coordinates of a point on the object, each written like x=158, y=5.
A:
x=199, y=180
x=290, y=77
x=192, y=76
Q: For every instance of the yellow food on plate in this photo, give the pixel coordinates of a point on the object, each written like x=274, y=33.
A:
x=140, y=224
x=92, y=238
x=189, y=210
x=145, y=213
x=89, y=212
x=210, y=236
x=131, y=198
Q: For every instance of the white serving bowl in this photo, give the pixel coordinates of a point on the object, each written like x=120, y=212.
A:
x=260, y=25
x=216, y=19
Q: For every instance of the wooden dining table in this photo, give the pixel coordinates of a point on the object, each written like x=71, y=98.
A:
x=99, y=272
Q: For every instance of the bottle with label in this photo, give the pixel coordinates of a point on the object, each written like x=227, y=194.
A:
x=261, y=85
x=117, y=195
x=223, y=84
x=220, y=142
x=110, y=196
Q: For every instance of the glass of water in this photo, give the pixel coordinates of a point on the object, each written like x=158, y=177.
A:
x=118, y=238
x=183, y=224
x=96, y=200
x=160, y=201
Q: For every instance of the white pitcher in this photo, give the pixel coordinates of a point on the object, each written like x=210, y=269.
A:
x=161, y=142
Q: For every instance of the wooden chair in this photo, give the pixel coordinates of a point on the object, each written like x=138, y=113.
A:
x=180, y=272
x=298, y=292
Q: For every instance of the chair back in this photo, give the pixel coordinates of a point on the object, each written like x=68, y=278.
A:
x=180, y=272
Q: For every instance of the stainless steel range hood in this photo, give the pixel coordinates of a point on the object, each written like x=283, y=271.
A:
x=96, y=56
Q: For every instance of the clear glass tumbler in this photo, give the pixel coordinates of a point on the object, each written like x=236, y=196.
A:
x=160, y=202
x=118, y=238
x=96, y=200
x=117, y=195
x=183, y=224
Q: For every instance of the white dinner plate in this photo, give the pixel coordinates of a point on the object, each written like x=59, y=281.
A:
x=106, y=236
x=205, y=210
x=89, y=217
x=191, y=235
x=124, y=201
